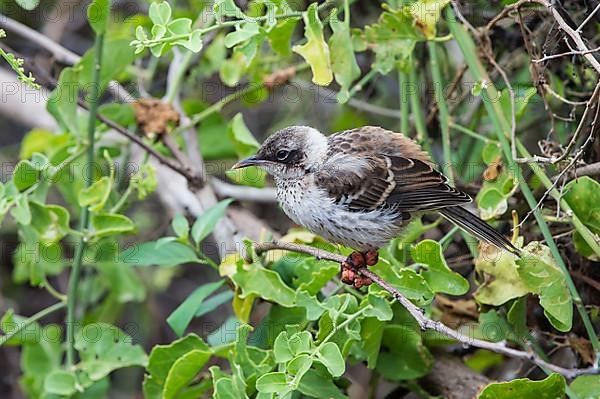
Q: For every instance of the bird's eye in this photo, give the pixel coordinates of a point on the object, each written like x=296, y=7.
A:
x=282, y=155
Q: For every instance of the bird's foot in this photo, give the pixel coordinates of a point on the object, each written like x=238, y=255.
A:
x=371, y=257
x=350, y=267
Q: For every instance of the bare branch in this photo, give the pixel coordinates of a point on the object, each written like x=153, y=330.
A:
x=588, y=170
x=424, y=322
x=243, y=193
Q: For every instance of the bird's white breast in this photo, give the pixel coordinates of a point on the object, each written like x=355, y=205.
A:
x=311, y=207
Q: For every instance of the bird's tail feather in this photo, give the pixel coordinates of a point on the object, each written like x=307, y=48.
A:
x=478, y=228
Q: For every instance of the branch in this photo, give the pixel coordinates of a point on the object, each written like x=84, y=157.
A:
x=573, y=34
x=588, y=170
x=424, y=322
x=243, y=193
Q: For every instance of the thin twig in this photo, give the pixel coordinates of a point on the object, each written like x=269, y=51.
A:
x=567, y=53
x=424, y=322
x=171, y=164
x=585, y=21
x=559, y=177
x=573, y=34
x=592, y=102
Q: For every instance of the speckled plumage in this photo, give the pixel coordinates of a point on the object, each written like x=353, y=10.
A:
x=360, y=187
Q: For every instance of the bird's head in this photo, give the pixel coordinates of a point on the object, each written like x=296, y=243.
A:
x=289, y=153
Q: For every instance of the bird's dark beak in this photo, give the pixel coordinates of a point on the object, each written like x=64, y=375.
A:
x=250, y=161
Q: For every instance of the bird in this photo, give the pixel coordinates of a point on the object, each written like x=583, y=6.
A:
x=360, y=188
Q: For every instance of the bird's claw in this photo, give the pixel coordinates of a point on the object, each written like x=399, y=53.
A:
x=349, y=268
x=371, y=257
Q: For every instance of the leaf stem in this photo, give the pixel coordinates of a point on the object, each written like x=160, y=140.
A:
x=415, y=105
x=471, y=133
x=361, y=83
x=32, y=319
x=438, y=87
x=85, y=214
x=403, y=81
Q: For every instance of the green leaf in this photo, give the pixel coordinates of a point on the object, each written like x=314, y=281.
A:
x=407, y=358
x=407, y=281
x=183, y=371
x=243, y=31
x=96, y=195
x=42, y=141
x=180, y=26
x=158, y=253
x=117, y=54
x=280, y=35
x=104, y=348
x=378, y=307
x=540, y=274
x=180, y=226
x=25, y=175
x=427, y=14
x=583, y=196
x=586, y=386
x=439, y=276
x=227, y=8
x=206, y=222
x=492, y=327
x=28, y=4
x=193, y=43
x=245, y=145
x=21, y=211
x=160, y=13
x=264, y=283
x=181, y=317
x=299, y=365
x=517, y=317
x=329, y=354
x=551, y=388
x=62, y=103
x=163, y=357
x=122, y=281
x=491, y=203
x=98, y=13
x=491, y=153
x=501, y=281
x=144, y=180
x=274, y=382
x=281, y=348
x=106, y=224
x=393, y=38
x=311, y=304
x=316, y=385
x=61, y=382
x=214, y=302
x=315, y=51
x=482, y=360
x=50, y=221
x=301, y=342
x=343, y=61
x=371, y=334
x=312, y=274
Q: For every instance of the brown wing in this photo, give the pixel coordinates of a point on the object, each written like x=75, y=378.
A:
x=366, y=169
